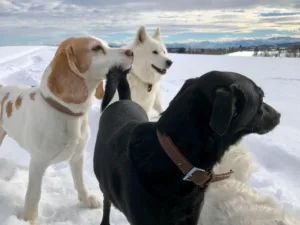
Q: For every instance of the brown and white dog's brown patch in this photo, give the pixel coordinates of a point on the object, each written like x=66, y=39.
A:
x=2, y=105
x=9, y=109
x=99, y=91
x=32, y=96
x=18, y=102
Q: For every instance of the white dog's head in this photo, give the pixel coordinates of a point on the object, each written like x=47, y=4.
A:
x=150, y=56
x=80, y=64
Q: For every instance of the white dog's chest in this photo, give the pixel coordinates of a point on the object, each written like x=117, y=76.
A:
x=143, y=94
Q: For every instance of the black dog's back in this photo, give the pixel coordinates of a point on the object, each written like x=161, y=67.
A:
x=116, y=115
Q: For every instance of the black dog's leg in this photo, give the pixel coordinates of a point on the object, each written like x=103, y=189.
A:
x=106, y=211
x=110, y=89
x=124, y=89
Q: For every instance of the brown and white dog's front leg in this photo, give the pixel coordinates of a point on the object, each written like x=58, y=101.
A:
x=37, y=170
x=76, y=166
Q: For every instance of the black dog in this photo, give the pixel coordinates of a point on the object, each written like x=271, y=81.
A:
x=145, y=169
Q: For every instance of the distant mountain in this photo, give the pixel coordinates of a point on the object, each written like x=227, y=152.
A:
x=274, y=41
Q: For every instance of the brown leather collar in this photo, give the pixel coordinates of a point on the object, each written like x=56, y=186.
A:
x=198, y=176
x=60, y=107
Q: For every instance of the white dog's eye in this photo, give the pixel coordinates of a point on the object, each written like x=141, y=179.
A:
x=155, y=52
x=97, y=48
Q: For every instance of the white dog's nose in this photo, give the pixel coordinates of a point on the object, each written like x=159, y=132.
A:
x=128, y=53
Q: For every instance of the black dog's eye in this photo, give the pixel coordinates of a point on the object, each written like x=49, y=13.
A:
x=97, y=48
x=155, y=52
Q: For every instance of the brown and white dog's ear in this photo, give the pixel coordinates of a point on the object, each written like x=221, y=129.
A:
x=65, y=81
x=156, y=35
x=99, y=91
x=141, y=35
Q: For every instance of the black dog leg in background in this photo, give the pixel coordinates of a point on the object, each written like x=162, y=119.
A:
x=116, y=78
x=124, y=89
x=106, y=211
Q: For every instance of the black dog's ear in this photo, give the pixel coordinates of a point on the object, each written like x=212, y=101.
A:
x=223, y=110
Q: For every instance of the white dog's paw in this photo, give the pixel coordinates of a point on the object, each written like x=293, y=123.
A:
x=91, y=201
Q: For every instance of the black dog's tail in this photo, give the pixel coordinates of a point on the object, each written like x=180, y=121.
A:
x=116, y=79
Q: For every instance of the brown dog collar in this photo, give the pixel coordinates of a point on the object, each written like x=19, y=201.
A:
x=198, y=176
x=60, y=107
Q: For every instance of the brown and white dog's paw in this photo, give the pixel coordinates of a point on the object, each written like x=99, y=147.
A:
x=91, y=201
x=31, y=221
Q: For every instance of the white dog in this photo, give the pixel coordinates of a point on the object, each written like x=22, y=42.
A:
x=234, y=202
x=51, y=121
x=150, y=64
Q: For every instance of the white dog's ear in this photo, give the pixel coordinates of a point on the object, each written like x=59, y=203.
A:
x=156, y=35
x=141, y=35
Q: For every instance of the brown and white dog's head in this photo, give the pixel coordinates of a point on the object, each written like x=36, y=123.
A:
x=79, y=65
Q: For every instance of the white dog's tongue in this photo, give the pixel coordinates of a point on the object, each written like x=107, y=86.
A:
x=163, y=71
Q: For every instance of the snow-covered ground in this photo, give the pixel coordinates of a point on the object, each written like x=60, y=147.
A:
x=241, y=53
x=277, y=154
x=268, y=53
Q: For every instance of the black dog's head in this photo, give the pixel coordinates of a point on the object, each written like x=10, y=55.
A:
x=238, y=107
x=230, y=103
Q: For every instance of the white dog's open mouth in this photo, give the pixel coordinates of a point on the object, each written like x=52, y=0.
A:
x=161, y=71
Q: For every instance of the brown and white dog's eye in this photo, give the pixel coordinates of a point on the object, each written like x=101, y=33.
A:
x=97, y=48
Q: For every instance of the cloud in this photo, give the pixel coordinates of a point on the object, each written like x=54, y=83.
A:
x=179, y=5
x=274, y=14
x=116, y=20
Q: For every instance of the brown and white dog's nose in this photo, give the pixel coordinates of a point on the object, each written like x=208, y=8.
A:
x=128, y=53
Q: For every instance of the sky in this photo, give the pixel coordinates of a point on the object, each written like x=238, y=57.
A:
x=116, y=21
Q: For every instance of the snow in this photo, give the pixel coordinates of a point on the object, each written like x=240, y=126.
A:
x=243, y=53
x=276, y=154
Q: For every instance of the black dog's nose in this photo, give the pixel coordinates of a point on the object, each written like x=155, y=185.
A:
x=169, y=62
x=279, y=115
x=277, y=118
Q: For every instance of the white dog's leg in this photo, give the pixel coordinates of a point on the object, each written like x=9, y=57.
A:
x=37, y=170
x=76, y=165
x=158, y=106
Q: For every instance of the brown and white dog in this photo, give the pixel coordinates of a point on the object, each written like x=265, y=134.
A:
x=51, y=121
